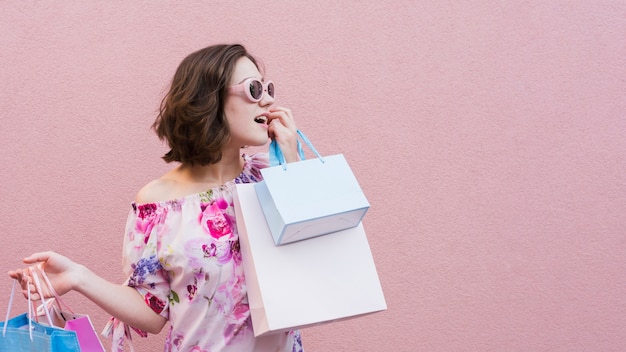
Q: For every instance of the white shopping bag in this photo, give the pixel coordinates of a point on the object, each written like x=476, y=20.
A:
x=311, y=197
x=306, y=283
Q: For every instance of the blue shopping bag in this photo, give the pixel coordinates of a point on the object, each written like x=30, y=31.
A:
x=309, y=198
x=22, y=333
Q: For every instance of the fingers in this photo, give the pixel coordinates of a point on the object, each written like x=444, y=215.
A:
x=37, y=258
x=281, y=125
x=282, y=115
x=282, y=128
x=30, y=286
x=15, y=274
x=20, y=275
x=24, y=278
x=26, y=282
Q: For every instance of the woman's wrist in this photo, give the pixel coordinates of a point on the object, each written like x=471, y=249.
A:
x=79, y=278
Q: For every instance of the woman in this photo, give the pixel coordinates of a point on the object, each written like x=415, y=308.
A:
x=181, y=246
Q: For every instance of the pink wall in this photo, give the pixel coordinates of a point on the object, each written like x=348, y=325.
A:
x=489, y=137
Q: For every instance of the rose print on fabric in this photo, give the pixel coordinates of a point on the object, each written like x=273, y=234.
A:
x=154, y=302
x=238, y=321
x=184, y=257
x=229, y=294
x=213, y=220
x=147, y=219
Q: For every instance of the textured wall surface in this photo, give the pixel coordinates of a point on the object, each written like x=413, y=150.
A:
x=489, y=136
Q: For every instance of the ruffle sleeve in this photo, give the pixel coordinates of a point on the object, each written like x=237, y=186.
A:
x=252, y=169
x=142, y=267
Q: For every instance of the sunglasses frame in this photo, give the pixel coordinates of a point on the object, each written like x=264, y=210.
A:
x=245, y=88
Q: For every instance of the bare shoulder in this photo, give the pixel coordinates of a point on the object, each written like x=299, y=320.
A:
x=173, y=185
x=155, y=191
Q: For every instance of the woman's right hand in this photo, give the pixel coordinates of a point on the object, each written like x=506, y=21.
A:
x=62, y=272
x=121, y=301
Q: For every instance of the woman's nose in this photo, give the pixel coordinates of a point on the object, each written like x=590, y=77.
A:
x=267, y=99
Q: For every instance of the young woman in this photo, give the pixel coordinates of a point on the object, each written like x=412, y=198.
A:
x=181, y=246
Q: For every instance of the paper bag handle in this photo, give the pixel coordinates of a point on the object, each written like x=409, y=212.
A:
x=38, y=286
x=277, y=157
x=56, y=298
x=31, y=308
x=30, y=313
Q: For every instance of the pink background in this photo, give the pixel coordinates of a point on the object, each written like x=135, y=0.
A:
x=489, y=137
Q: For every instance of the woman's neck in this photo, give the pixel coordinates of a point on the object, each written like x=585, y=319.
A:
x=228, y=168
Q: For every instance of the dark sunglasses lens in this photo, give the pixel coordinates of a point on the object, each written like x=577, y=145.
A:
x=256, y=89
x=270, y=89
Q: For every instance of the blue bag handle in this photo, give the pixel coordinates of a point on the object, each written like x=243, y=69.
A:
x=277, y=157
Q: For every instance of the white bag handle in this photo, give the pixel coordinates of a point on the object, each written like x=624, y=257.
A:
x=30, y=312
x=38, y=286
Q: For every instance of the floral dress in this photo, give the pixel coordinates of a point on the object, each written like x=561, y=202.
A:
x=183, y=257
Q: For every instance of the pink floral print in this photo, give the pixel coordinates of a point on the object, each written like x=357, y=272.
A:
x=213, y=221
x=184, y=257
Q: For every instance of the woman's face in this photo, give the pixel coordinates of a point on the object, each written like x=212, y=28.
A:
x=247, y=119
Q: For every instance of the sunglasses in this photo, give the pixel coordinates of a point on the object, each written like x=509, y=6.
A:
x=253, y=89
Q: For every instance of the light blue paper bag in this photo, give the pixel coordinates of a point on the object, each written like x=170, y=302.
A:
x=22, y=333
x=15, y=336
x=309, y=198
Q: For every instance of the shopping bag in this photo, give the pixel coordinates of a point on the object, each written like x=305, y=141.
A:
x=87, y=336
x=80, y=323
x=59, y=314
x=306, y=283
x=309, y=198
x=23, y=333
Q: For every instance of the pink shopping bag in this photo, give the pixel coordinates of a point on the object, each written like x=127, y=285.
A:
x=87, y=336
x=62, y=316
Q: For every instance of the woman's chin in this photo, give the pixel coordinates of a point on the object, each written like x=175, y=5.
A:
x=259, y=142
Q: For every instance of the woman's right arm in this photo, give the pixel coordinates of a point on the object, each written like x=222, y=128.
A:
x=121, y=301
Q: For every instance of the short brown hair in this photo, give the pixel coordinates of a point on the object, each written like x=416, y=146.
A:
x=191, y=117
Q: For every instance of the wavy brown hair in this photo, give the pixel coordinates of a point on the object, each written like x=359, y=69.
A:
x=191, y=117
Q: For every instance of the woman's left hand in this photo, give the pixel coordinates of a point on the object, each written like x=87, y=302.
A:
x=282, y=128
